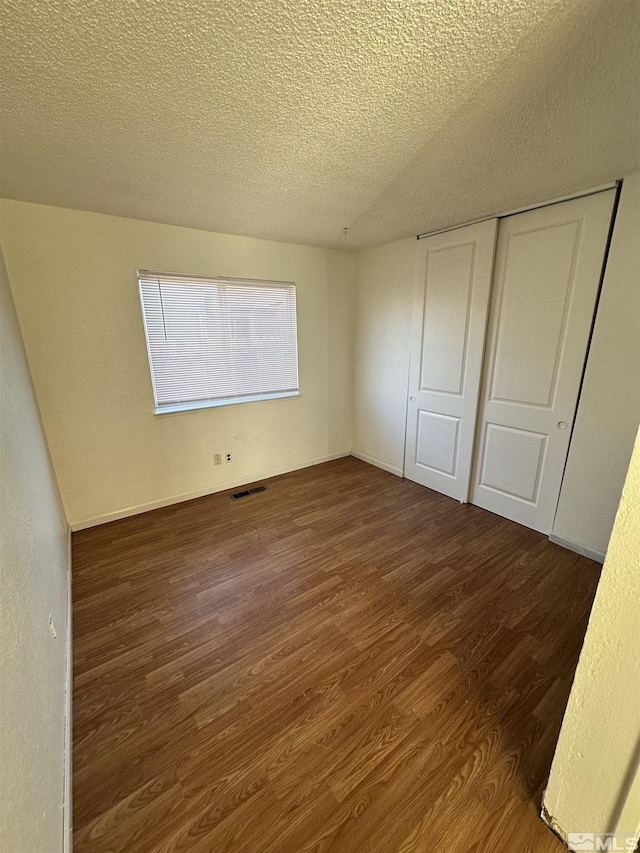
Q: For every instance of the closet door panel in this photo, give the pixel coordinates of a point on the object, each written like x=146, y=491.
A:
x=531, y=323
x=453, y=278
x=547, y=272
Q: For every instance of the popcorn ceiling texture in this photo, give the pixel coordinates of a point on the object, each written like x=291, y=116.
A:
x=292, y=120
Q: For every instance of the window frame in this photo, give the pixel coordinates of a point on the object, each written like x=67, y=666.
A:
x=143, y=275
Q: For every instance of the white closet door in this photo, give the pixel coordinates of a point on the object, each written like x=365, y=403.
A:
x=547, y=272
x=453, y=279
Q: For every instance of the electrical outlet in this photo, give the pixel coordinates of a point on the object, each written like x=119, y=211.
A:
x=228, y=457
x=217, y=459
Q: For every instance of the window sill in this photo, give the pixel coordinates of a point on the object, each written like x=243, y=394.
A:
x=214, y=404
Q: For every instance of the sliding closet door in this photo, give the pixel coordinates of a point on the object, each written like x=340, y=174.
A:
x=547, y=272
x=453, y=278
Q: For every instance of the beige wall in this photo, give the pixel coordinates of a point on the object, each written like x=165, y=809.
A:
x=74, y=280
x=383, y=298
x=595, y=781
x=34, y=582
x=609, y=410
x=73, y=275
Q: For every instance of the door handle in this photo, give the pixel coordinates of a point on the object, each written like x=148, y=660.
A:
x=562, y=424
x=412, y=399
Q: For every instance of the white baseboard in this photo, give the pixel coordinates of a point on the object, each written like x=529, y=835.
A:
x=585, y=551
x=392, y=469
x=93, y=521
x=67, y=813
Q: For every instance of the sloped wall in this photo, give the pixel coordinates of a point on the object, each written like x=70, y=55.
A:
x=34, y=586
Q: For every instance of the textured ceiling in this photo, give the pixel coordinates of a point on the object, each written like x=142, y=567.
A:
x=293, y=119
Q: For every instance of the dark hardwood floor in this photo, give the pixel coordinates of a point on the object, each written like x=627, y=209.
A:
x=346, y=662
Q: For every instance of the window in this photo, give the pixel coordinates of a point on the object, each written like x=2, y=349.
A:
x=215, y=341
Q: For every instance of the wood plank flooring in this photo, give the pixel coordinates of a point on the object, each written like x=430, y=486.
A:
x=346, y=662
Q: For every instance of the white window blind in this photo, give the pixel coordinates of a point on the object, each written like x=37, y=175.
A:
x=218, y=341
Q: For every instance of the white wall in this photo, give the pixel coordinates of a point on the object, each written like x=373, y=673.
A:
x=383, y=298
x=34, y=582
x=595, y=778
x=609, y=409
x=74, y=279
